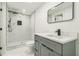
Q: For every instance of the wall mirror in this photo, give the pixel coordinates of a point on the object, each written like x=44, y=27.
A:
x=61, y=12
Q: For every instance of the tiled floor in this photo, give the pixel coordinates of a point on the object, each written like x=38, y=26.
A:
x=20, y=51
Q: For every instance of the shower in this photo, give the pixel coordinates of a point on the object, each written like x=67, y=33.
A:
x=18, y=28
x=10, y=23
x=9, y=26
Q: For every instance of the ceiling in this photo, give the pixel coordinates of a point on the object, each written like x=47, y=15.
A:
x=24, y=7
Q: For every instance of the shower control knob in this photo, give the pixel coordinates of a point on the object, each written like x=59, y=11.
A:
x=0, y=48
x=0, y=28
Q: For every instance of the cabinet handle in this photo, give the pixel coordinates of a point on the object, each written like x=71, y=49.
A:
x=48, y=47
x=35, y=49
x=0, y=48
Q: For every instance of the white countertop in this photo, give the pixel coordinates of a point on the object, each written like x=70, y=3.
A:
x=60, y=39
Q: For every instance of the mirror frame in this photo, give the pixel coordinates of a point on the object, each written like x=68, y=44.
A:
x=63, y=20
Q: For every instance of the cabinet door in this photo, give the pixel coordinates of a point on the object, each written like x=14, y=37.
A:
x=36, y=50
x=44, y=51
x=53, y=53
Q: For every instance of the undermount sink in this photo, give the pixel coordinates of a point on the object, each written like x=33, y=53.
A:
x=64, y=38
x=59, y=37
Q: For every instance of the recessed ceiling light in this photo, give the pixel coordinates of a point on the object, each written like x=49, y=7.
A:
x=29, y=2
x=23, y=11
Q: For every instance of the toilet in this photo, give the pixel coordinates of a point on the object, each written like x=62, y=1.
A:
x=30, y=44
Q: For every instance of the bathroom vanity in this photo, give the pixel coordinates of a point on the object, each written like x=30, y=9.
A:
x=54, y=46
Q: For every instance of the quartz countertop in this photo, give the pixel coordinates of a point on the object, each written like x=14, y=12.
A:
x=60, y=39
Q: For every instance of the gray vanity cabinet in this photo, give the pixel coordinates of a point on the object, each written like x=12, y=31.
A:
x=47, y=47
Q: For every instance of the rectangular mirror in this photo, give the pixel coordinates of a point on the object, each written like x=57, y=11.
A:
x=61, y=12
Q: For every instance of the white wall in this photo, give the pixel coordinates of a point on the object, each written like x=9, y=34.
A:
x=20, y=33
x=41, y=24
x=32, y=18
x=3, y=25
x=0, y=26
x=41, y=21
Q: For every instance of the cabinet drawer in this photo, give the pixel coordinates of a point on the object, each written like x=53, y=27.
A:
x=51, y=44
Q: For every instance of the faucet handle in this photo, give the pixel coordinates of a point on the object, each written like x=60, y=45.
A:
x=58, y=30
